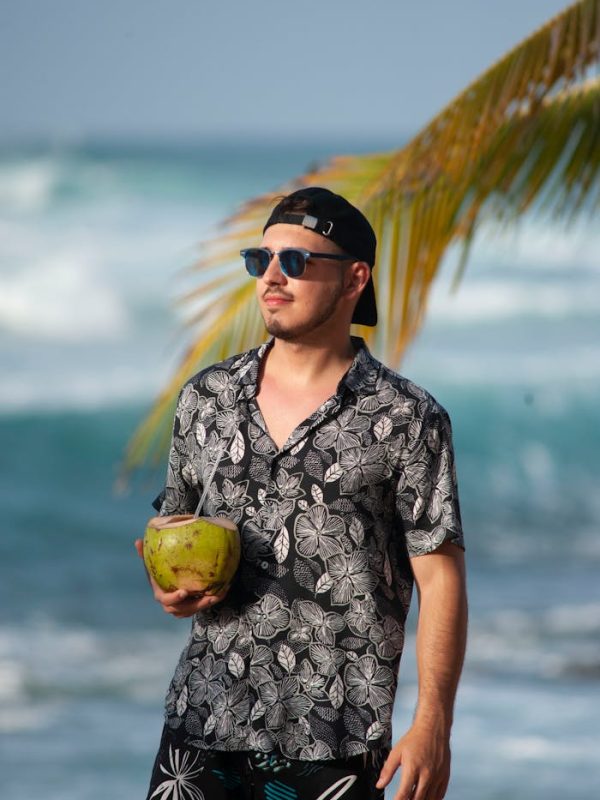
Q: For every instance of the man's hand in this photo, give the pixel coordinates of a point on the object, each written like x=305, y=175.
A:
x=424, y=756
x=180, y=603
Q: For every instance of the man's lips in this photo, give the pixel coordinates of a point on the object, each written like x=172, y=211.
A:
x=276, y=299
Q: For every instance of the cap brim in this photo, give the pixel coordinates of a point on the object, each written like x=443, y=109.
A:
x=365, y=312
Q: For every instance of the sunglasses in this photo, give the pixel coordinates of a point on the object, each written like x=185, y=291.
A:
x=292, y=260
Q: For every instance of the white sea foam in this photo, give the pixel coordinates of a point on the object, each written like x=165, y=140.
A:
x=11, y=679
x=44, y=666
x=82, y=387
x=559, y=373
x=103, y=268
x=574, y=619
x=534, y=272
x=556, y=642
x=539, y=245
x=64, y=300
x=27, y=186
x=31, y=186
x=500, y=300
x=540, y=748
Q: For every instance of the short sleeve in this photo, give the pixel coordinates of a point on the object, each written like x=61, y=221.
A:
x=181, y=492
x=427, y=493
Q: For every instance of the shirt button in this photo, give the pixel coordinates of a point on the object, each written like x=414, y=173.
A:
x=264, y=564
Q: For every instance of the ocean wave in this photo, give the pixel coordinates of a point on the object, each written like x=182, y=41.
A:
x=28, y=186
x=543, y=749
x=45, y=666
x=94, y=245
x=560, y=642
x=34, y=184
x=518, y=646
x=470, y=365
x=77, y=375
x=499, y=299
x=134, y=372
x=63, y=299
x=509, y=540
x=540, y=246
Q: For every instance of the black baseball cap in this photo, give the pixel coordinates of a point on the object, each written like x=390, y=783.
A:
x=332, y=216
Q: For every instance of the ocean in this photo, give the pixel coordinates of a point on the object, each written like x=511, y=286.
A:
x=94, y=241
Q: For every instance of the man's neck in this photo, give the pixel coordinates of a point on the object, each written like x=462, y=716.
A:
x=304, y=364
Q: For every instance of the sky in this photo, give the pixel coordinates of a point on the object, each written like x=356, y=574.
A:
x=173, y=69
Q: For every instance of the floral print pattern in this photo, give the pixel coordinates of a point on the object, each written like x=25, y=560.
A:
x=302, y=656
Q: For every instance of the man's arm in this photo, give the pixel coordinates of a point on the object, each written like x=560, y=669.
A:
x=424, y=750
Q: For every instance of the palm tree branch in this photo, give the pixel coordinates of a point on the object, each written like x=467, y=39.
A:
x=523, y=134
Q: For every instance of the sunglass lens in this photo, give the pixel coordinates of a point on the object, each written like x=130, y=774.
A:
x=292, y=262
x=257, y=261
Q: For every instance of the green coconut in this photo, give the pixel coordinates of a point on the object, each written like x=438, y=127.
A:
x=198, y=554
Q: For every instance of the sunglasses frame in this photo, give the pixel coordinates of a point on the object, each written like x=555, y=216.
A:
x=306, y=254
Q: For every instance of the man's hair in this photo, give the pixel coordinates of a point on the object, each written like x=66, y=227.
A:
x=291, y=203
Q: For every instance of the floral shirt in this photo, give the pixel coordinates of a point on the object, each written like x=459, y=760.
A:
x=302, y=656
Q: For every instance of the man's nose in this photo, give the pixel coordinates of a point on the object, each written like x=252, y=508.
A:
x=273, y=273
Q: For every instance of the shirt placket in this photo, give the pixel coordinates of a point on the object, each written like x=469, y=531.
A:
x=271, y=492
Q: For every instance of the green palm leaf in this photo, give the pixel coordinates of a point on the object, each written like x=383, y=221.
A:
x=526, y=131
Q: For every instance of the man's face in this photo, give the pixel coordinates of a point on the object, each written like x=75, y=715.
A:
x=294, y=307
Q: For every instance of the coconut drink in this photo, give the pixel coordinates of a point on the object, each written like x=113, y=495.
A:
x=198, y=554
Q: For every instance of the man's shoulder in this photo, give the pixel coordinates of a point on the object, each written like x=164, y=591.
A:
x=229, y=371
x=405, y=389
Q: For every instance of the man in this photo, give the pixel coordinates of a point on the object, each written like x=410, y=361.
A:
x=340, y=476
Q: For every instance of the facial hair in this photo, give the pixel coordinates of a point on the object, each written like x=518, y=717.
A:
x=289, y=333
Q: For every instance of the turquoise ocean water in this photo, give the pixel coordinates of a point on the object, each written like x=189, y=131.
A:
x=92, y=242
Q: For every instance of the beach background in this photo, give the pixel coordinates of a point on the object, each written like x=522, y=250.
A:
x=95, y=232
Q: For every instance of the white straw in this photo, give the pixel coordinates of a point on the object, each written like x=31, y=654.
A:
x=212, y=475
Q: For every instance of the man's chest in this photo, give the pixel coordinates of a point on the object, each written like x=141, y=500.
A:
x=283, y=411
x=276, y=456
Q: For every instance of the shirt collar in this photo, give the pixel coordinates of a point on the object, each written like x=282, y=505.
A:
x=361, y=369
x=246, y=375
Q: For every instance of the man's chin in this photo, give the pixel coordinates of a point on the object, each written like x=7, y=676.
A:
x=284, y=332
x=289, y=331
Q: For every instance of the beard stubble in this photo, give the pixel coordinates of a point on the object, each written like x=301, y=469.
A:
x=277, y=328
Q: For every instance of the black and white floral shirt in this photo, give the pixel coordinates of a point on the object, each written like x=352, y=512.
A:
x=302, y=655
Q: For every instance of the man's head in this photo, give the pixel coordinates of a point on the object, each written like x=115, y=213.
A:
x=336, y=220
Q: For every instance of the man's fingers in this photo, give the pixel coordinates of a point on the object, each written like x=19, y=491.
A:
x=406, y=790
x=202, y=602
x=435, y=790
x=169, y=598
x=190, y=606
x=390, y=766
x=425, y=787
x=443, y=787
x=421, y=785
x=211, y=599
x=180, y=603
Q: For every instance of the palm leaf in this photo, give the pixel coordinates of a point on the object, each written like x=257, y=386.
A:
x=525, y=132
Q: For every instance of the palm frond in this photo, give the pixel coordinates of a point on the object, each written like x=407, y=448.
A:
x=526, y=132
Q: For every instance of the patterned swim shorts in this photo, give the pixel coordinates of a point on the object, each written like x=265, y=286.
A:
x=186, y=773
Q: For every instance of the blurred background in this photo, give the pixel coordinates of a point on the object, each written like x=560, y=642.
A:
x=129, y=130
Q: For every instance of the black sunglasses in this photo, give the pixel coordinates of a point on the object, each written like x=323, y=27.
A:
x=292, y=260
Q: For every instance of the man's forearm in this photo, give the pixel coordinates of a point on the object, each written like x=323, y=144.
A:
x=441, y=638
x=424, y=750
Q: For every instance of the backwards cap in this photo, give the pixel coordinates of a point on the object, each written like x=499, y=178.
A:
x=332, y=216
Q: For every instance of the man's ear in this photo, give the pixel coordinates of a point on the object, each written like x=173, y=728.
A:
x=357, y=275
